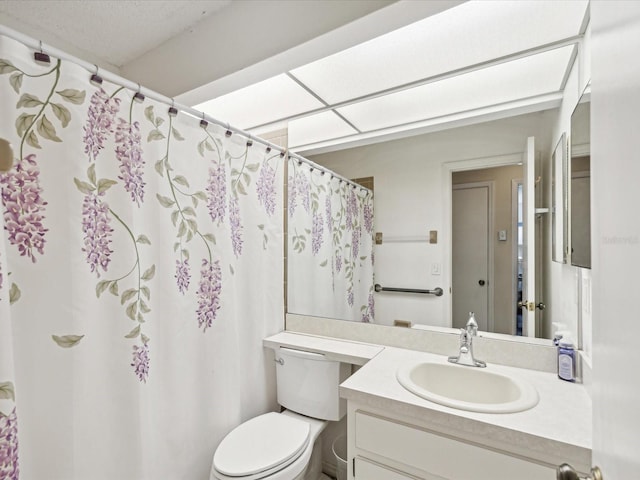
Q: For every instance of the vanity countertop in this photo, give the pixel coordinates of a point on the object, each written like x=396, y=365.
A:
x=555, y=431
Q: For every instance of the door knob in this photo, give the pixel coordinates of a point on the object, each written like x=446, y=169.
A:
x=567, y=472
x=528, y=305
x=481, y=283
x=540, y=306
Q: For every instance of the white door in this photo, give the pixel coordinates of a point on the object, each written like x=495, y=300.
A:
x=529, y=251
x=470, y=254
x=615, y=103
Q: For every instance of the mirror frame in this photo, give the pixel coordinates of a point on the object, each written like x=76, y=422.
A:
x=577, y=151
x=560, y=202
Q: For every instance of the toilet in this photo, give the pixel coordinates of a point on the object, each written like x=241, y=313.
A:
x=282, y=446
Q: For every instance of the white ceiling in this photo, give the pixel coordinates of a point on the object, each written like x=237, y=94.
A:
x=117, y=31
x=334, y=76
x=499, y=55
x=193, y=50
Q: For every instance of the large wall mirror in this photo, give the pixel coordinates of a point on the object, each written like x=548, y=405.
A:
x=580, y=184
x=420, y=201
x=411, y=135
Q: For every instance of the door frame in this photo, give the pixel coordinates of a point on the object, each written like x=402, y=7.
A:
x=446, y=181
x=514, y=253
x=489, y=185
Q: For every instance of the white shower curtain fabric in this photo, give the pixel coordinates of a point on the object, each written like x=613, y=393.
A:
x=141, y=265
x=330, y=246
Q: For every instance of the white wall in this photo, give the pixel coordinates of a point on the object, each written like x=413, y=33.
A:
x=409, y=197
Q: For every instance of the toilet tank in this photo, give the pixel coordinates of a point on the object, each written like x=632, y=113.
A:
x=308, y=383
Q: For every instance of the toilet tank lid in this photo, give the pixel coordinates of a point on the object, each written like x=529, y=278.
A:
x=260, y=444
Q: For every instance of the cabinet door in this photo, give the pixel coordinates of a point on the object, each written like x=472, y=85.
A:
x=440, y=456
x=366, y=470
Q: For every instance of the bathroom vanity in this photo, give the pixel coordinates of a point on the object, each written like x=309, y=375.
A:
x=394, y=434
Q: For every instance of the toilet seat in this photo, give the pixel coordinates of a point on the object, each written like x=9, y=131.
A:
x=261, y=446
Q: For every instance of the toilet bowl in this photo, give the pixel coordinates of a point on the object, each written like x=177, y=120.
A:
x=273, y=446
x=282, y=446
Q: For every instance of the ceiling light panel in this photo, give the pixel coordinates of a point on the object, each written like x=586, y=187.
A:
x=264, y=102
x=468, y=34
x=519, y=79
x=318, y=128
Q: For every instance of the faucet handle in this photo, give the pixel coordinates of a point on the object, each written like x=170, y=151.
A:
x=472, y=325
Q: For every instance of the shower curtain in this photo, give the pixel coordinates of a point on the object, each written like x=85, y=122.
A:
x=330, y=246
x=141, y=265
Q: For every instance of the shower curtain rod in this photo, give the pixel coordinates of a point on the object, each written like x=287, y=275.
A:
x=38, y=45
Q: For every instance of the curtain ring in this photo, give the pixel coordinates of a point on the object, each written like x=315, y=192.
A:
x=203, y=122
x=138, y=96
x=41, y=57
x=173, y=111
x=96, y=79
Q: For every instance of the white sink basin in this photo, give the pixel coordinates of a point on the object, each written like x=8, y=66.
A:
x=467, y=388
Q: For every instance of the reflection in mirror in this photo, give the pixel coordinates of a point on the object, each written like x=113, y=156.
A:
x=581, y=184
x=559, y=202
x=413, y=180
x=329, y=245
x=487, y=248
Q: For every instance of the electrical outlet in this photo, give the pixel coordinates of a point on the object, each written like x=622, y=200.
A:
x=435, y=269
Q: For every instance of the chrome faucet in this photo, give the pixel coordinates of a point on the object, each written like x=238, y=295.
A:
x=466, y=345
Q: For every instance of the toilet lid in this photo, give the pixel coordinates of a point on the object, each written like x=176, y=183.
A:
x=261, y=444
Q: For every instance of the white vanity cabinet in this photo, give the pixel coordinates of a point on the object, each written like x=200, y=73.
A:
x=384, y=446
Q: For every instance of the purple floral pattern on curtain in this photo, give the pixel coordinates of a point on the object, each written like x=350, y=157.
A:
x=100, y=119
x=217, y=192
x=9, y=469
x=24, y=207
x=97, y=217
x=98, y=196
x=97, y=232
x=266, y=188
x=340, y=215
x=209, y=293
x=24, y=204
x=129, y=155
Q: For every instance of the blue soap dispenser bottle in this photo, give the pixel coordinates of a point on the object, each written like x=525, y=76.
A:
x=566, y=359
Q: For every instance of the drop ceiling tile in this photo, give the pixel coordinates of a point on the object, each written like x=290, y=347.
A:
x=470, y=33
x=527, y=77
x=318, y=128
x=264, y=102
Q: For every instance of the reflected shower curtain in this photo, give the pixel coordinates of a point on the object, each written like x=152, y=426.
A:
x=330, y=246
x=140, y=268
